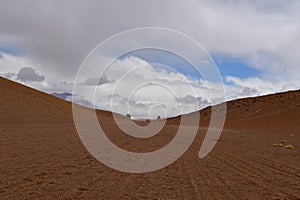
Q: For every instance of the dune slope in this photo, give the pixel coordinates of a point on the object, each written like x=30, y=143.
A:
x=42, y=156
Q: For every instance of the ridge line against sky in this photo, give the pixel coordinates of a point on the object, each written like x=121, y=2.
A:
x=253, y=43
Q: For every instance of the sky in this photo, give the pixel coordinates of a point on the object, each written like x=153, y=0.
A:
x=254, y=44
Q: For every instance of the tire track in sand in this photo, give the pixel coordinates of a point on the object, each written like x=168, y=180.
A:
x=243, y=171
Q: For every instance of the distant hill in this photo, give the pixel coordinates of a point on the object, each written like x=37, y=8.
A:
x=62, y=95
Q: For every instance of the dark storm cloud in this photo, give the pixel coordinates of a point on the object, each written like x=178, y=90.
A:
x=28, y=74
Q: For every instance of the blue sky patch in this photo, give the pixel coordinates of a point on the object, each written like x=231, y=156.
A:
x=10, y=50
x=228, y=65
x=234, y=66
x=176, y=62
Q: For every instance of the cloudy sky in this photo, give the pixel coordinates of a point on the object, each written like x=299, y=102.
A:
x=255, y=45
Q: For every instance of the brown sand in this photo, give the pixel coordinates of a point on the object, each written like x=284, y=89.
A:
x=42, y=156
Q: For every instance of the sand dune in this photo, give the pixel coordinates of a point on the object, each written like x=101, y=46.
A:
x=42, y=156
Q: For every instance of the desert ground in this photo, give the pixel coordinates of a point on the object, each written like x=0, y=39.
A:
x=42, y=156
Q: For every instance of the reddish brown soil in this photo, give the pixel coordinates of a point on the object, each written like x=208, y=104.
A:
x=42, y=156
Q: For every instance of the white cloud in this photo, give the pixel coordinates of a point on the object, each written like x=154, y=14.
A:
x=142, y=89
x=96, y=81
x=255, y=86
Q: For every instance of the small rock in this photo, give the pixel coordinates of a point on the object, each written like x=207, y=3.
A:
x=277, y=145
x=289, y=146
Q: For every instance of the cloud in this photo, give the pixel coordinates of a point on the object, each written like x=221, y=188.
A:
x=189, y=99
x=255, y=86
x=8, y=75
x=249, y=92
x=267, y=28
x=289, y=87
x=80, y=100
x=28, y=74
x=96, y=81
x=140, y=110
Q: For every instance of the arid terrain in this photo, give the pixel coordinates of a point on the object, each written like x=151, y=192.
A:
x=42, y=156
